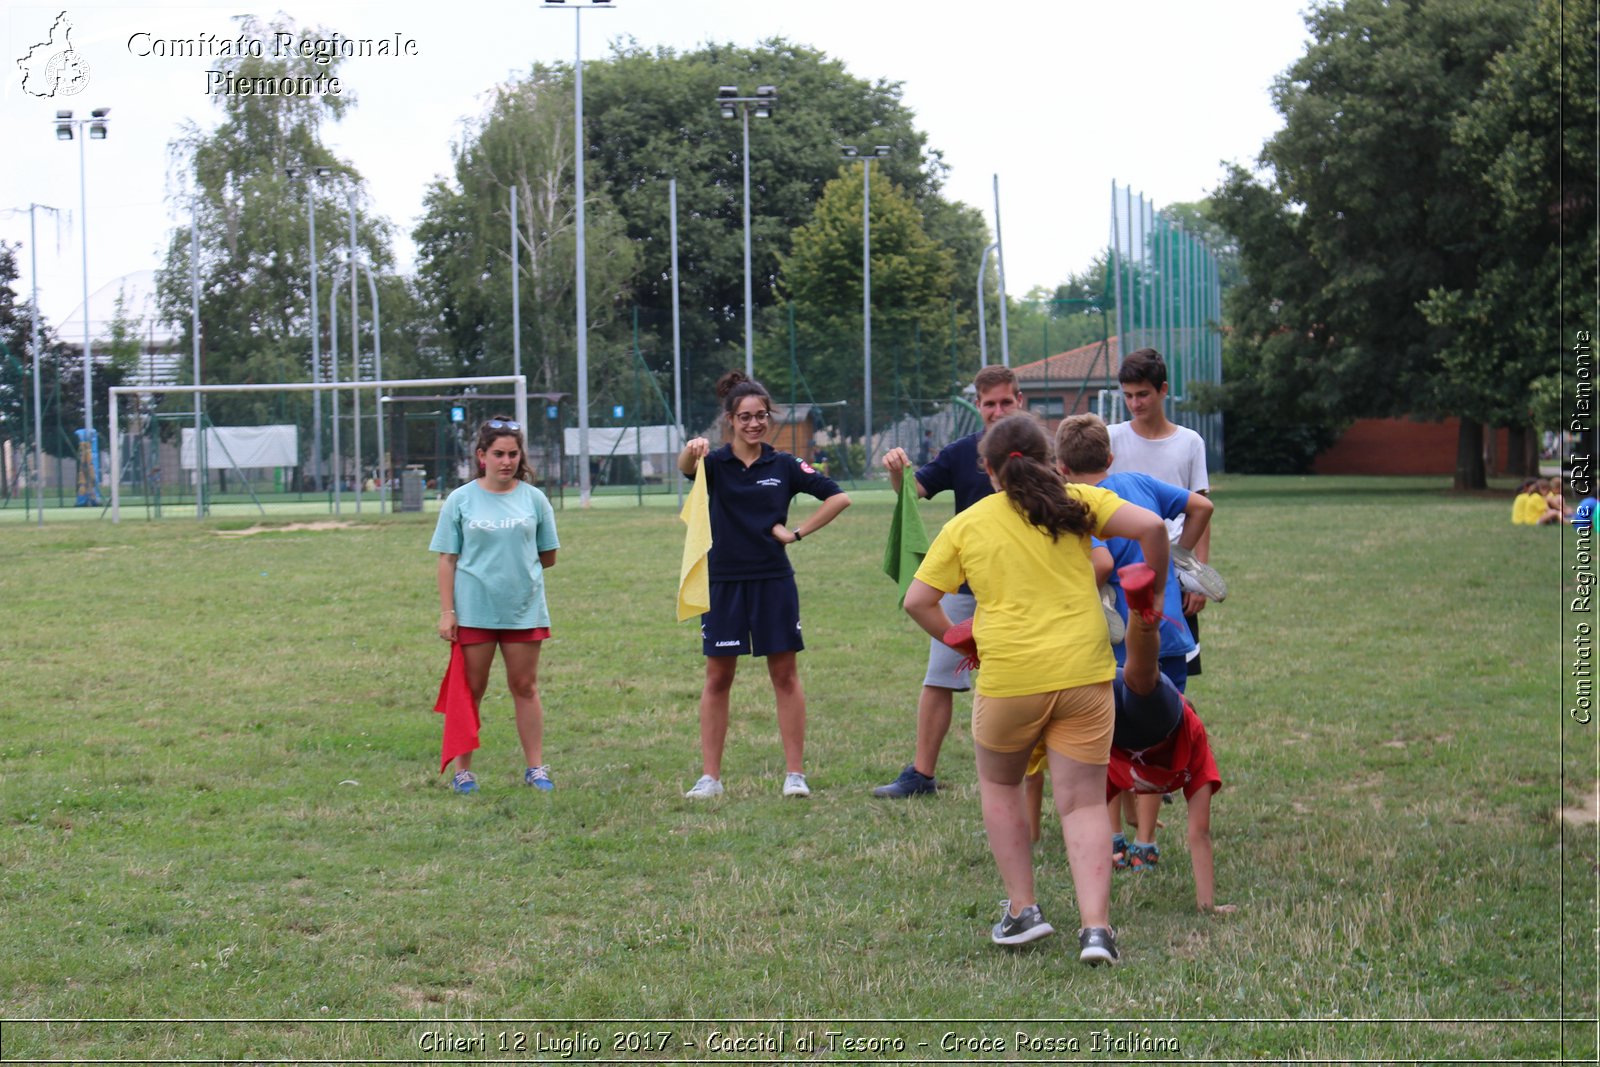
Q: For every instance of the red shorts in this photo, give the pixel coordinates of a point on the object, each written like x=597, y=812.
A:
x=472, y=635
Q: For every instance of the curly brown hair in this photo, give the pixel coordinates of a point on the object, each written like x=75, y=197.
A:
x=496, y=427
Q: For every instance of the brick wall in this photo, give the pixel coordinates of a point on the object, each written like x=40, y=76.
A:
x=1404, y=446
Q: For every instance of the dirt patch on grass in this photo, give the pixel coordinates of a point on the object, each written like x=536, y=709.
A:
x=286, y=528
x=1586, y=815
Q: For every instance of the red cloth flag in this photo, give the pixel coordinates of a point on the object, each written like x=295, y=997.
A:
x=460, y=711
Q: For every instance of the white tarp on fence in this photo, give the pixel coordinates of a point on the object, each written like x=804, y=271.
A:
x=621, y=441
x=244, y=447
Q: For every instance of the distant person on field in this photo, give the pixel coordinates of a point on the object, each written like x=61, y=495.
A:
x=1557, y=499
x=955, y=467
x=1150, y=443
x=1530, y=508
x=755, y=605
x=496, y=536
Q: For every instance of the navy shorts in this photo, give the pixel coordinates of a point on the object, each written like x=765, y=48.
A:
x=754, y=617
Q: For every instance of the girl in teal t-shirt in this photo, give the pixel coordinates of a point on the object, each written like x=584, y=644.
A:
x=495, y=537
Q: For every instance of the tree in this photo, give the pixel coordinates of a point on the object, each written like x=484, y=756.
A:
x=523, y=142
x=61, y=373
x=1529, y=136
x=252, y=225
x=911, y=284
x=1370, y=206
x=650, y=116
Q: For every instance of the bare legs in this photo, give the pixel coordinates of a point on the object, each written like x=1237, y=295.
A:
x=1080, y=790
x=522, y=678
x=784, y=672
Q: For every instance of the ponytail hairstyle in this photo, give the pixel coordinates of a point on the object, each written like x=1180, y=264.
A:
x=734, y=387
x=489, y=433
x=1017, y=453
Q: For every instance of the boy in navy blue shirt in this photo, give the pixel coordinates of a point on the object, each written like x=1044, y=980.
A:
x=957, y=469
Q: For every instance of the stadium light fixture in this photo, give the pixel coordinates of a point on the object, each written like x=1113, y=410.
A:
x=730, y=104
x=866, y=156
x=98, y=125
x=581, y=286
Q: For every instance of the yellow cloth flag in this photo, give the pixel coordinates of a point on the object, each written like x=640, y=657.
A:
x=694, y=576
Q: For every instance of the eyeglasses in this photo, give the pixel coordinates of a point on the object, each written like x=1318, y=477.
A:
x=745, y=418
x=503, y=424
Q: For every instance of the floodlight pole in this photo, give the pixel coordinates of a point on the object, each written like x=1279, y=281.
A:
x=583, y=278
x=764, y=101
x=94, y=127
x=1000, y=263
x=983, y=329
x=677, y=380
x=38, y=393
x=316, y=333
x=355, y=344
x=201, y=471
x=866, y=156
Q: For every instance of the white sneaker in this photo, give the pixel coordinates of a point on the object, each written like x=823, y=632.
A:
x=1116, y=629
x=705, y=788
x=794, y=785
x=1197, y=577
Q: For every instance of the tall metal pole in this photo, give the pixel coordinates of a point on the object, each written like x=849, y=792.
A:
x=983, y=328
x=355, y=345
x=38, y=394
x=1000, y=261
x=516, y=305
x=582, y=286
x=316, y=349
x=201, y=472
x=1116, y=277
x=749, y=317
x=377, y=372
x=866, y=302
x=333, y=374
x=83, y=215
x=677, y=378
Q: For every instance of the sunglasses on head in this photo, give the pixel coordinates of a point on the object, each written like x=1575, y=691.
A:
x=503, y=424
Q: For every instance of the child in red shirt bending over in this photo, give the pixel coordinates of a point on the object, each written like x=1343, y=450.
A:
x=1159, y=744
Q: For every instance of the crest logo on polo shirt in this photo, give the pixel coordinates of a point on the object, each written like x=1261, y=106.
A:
x=808, y=468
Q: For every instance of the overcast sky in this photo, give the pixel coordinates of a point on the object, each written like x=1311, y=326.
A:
x=1058, y=98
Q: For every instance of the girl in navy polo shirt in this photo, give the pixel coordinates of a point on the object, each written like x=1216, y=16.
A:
x=755, y=608
x=496, y=537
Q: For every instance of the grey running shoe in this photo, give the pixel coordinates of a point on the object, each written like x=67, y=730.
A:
x=1197, y=577
x=1019, y=929
x=1097, y=945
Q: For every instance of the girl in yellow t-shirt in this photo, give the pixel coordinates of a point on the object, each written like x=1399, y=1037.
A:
x=1046, y=662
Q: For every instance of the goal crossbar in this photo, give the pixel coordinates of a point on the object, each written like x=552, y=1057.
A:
x=520, y=381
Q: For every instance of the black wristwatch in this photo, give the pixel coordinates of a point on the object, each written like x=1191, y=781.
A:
x=797, y=536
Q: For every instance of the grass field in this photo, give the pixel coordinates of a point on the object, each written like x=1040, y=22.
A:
x=218, y=802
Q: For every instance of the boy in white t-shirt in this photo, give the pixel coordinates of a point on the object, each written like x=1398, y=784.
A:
x=1150, y=443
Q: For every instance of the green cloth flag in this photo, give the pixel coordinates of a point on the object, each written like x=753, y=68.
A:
x=908, y=538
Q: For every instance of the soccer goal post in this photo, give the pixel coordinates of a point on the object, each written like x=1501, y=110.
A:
x=518, y=381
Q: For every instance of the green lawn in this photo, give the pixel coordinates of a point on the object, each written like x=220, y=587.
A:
x=218, y=801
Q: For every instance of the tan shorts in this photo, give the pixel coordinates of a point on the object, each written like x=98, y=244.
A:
x=1075, y=722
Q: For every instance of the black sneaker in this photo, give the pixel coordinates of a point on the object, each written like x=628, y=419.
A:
x=1019, y=929
x=1097, y=945
x=911, y=782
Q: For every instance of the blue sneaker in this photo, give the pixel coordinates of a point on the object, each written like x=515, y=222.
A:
x=539, y=778
x=464, y=782
x=911, y=782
